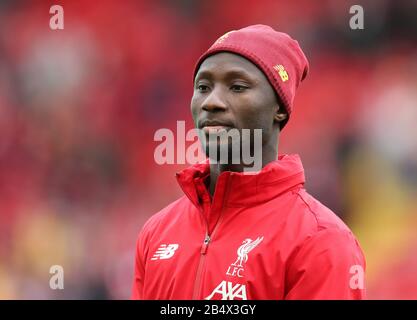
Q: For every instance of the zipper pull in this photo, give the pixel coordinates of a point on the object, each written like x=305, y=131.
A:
x=205, y=244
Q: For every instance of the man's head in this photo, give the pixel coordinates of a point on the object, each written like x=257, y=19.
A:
x=231, y=92
x=247, y=80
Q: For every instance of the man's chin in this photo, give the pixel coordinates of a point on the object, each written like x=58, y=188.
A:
x=222, y=153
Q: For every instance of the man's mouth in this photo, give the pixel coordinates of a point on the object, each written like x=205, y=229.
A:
x=215, y=129
x=213, y=126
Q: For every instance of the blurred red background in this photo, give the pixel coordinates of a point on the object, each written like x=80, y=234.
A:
x=79, y=108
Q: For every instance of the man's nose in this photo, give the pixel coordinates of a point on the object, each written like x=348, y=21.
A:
x=214, y=101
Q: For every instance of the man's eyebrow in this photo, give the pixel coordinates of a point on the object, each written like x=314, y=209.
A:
x=232, y=73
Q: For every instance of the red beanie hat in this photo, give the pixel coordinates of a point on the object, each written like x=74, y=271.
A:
x=275, y=53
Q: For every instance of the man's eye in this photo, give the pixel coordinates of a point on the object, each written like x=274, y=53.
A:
x=238, y=88
x=202, y=87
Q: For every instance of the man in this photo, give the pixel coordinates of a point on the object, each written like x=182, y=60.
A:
x=241, y=234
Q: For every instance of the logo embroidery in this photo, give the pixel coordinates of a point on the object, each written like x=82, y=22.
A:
x=228, y=291
x=237, y=267
x=282, y=72
x=165, y=251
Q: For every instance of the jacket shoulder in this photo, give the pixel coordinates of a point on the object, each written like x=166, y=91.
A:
x=168, y=213
x=323, y=217
x=325, y=229
x=320, y=265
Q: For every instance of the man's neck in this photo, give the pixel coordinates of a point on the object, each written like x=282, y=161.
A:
x=268, y=155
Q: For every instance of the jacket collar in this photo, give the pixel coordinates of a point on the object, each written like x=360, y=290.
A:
x=238, y=189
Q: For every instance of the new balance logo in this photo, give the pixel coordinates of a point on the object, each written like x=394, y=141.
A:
x=165, y=251
x=228, y=291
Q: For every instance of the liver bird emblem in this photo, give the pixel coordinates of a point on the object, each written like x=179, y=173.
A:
x=242, y=253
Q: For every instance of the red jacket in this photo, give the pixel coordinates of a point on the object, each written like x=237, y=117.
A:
x=262, y=236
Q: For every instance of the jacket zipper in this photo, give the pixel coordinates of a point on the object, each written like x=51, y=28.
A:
x=203, y=251
x=204, y=247
x=197, y=282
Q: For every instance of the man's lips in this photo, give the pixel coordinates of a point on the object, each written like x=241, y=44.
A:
x=215, y=128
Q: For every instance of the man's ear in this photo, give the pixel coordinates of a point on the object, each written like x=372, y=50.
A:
x=280, y=116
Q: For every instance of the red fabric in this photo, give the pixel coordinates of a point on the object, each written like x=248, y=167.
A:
x=304, y=250
x=266, y=48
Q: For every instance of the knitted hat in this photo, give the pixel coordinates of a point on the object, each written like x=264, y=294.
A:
x=275, y=53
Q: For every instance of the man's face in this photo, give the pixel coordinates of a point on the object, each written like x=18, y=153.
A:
x=230, y=92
